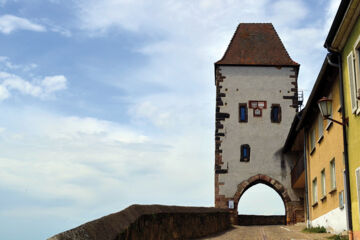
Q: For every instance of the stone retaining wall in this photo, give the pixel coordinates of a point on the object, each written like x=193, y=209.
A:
x=152, y=222
x=249, y=220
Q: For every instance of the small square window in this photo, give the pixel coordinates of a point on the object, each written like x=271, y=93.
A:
x=275, y=113
x=245, y=153
x=243, y=112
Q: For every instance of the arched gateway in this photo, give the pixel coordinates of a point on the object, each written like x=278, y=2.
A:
x=256, y=101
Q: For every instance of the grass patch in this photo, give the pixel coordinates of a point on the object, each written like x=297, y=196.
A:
x=338, y=237
x=315, y=230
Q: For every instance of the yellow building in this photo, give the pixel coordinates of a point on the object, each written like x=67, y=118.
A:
x=344, y=40
x=324, y=155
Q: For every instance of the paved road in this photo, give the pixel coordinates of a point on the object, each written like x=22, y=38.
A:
x=267, y=233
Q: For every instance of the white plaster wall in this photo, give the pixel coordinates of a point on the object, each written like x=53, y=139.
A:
x=334, y=221
x=264, y=137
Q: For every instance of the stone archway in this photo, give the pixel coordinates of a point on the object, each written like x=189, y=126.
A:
x=290, y=206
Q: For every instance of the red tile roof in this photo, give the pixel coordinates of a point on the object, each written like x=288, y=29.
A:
x=256, y=44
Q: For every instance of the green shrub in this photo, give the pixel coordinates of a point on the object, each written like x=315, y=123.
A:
x=338, y=237
x=315, y=230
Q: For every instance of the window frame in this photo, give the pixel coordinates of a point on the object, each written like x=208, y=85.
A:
x=332, y=175
x=243, y=105
x=357, y=73
x=273, y=106
x=341, y=199
x=242, y=157
x=357, y=176
x=314, y=191
x=323, y=183
x=353, y=62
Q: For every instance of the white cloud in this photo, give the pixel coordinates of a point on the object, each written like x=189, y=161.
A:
x=75, y=129
x=331, y=12
x=89, y=161
x=7, y=64
x=174, y=17
x=48, y=85
x=63, y=31
x=54, y=83
x=289, y=13
x=150, y=111
x=11, y=23
x=4, y=93
x=194, y=34
x=10, y=82
x=14, y=82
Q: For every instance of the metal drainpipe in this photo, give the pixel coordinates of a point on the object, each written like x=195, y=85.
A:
x=346, y=156
x=306, y=183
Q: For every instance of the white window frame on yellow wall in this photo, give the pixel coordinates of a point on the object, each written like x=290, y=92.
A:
x=354, y=77
x=352, y=82
x=323, y=184
x=332, y=175
x=314, y=191
x=357, y=174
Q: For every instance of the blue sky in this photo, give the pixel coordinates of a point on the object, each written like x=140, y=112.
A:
x=109, y=103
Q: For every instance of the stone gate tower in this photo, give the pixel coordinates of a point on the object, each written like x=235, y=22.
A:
x=256, y=101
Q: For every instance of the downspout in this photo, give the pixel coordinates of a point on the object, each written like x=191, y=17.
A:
x=346, y=155
x=306, y=183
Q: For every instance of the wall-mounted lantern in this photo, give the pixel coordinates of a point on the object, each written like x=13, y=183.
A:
x=325, y=106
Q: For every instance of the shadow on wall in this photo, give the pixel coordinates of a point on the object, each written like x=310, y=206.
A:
x=251, y=220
